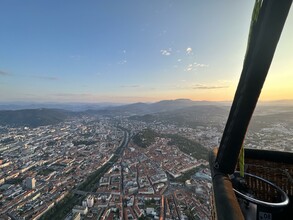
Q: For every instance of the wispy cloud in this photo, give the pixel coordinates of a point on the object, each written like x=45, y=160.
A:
x=51, y=78
x=200, y=65
x=195, y=65
x=73, y=94
x=130, y=86
x=122, y=62
x=4, y=73
x=75, y=57
x=166, y=52
x=200, y=86
x=163, y=32
x=189, y=68
x=224, y=81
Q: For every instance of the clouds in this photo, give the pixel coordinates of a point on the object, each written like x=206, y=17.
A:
x=189, y=86
x=182, y=59
x=195, y=65
x=73, y=95
x=122, y=62
x=200, y=65
x=130, y=86
x=4, y=73
x=123, y=57
x=50, y=78
x=207, y=87
x=43, y=77
x=189, y=50
x=166, y=52
x=189, y=67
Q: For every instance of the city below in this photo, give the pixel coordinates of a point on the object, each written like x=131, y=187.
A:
x=96, y=165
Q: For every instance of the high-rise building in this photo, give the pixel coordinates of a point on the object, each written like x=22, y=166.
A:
x=90, y=201
x=30, y=182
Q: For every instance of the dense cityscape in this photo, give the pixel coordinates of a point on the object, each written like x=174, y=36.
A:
x=101, y=167
x=40, y=166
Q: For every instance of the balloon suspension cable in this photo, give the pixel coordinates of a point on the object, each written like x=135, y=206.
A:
x=241, y=161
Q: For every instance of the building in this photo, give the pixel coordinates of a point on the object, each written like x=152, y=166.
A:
x=80, y=209
x=30, y=182
x=90, y=201
x=84, y=203
x=76, y=216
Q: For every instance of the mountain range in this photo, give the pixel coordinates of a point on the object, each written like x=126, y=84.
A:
x=46, y=116
x=179, y=111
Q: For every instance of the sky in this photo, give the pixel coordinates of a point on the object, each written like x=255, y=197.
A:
x=131, y=51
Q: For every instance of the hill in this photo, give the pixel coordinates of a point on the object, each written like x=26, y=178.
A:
x=32, y=117
x=259, y=122
x=147, y=137
x=204, y=115
x=151, y=108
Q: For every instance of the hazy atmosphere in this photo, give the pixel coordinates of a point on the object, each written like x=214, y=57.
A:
x=129, y=51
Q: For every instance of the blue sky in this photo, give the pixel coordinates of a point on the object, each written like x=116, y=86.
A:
x=124, y=51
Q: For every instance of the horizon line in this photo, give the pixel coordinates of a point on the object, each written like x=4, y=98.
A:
x=123, y=102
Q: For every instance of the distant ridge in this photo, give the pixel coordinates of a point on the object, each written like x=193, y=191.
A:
x=79, y=106
x=193, y=116
x=151, y=108
x=284, y=102
x=99, y=105
x=178, y=111
x=73, y=106
x=32, y=117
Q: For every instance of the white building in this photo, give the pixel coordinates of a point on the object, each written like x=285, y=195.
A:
x=90, y=201
x=80, y=209
x=84, y=203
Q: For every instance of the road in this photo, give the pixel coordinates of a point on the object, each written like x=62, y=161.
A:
x=117, y=154
x=69, y=201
